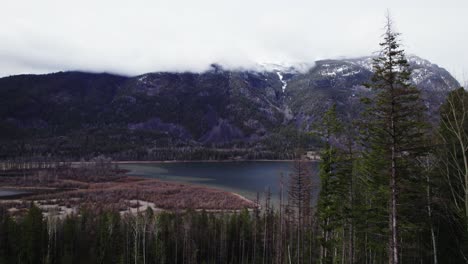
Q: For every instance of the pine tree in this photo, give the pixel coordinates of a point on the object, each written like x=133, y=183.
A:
x=300, y=200
x=327, y=203
x=396, y=128
x=335, y=202
x=33, y=236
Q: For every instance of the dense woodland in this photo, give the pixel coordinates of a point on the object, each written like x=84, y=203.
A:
x=281, y=144
x=394, y=189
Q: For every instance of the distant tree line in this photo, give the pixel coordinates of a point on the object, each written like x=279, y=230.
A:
x=123, y=144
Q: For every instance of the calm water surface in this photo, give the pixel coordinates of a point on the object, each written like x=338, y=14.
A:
x=244, y=177
x=9, y=192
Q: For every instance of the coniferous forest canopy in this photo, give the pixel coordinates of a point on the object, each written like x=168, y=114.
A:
x=393, y=189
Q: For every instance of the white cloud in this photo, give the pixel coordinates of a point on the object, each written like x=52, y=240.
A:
x=134, y=37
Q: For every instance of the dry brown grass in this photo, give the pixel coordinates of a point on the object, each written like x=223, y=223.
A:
x=166, y=195
x=107, y=187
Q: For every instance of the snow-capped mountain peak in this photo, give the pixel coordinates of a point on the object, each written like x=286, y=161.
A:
x=284, y=67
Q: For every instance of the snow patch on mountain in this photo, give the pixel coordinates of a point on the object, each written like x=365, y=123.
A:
x=419, y=75
x=142, y=78
x=364, y=62
x=292, y=68
x=338, y=69
x=280, y=76
x=417, y=61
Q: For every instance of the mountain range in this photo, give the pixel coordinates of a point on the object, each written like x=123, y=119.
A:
x=217, y=114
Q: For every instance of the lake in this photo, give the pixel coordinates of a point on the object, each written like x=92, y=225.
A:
x=244, y=177
x=4, y=193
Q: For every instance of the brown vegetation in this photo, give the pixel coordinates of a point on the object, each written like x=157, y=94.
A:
x=166, y=195
x=99, y=185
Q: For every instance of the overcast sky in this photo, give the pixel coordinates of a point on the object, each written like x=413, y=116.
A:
x=135, y=37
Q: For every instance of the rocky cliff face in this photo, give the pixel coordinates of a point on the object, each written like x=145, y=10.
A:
x=73, y=113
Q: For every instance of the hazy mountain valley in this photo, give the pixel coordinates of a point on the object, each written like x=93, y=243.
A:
x=218, y=114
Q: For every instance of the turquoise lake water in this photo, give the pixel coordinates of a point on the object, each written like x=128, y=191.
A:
x=243, y=177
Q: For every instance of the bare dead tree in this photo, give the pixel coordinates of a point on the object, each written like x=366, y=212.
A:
x=454, y=123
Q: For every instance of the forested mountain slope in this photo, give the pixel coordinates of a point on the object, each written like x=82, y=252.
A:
x=252, y=114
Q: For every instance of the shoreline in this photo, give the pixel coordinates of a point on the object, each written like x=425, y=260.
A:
x=196, y=161
x=153, y=188
x=38, y=190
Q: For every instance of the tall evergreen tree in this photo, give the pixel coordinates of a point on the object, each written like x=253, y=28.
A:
x=335, y=204
x=33, y=236
x=396, y=128
x=329, y=203
x=300, y=203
